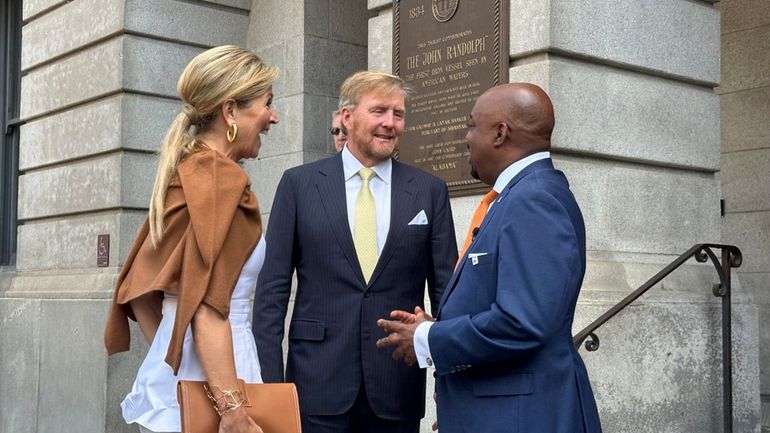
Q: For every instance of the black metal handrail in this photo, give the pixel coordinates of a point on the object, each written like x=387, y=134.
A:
x=731, y=258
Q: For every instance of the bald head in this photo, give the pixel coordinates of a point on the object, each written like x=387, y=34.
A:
x=507, y=123
x=527, y=111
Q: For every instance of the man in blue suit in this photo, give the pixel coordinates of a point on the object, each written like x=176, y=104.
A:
x=501, y=344
x=364, y=233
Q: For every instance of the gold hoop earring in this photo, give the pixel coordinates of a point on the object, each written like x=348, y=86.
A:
x=232, y=132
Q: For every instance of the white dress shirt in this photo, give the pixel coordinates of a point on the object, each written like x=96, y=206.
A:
x=421, y=346
x=380, y=186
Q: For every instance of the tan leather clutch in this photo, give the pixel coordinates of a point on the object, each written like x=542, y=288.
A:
x=273, y=406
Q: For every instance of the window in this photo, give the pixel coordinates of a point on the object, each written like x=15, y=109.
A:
x=10, y=84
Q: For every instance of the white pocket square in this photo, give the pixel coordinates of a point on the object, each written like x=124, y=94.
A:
x=474, y=257
x=420, y=219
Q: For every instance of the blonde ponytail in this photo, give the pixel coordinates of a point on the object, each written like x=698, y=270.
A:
x=177, y=144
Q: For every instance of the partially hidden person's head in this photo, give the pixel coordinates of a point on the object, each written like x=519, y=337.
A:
x=507, y=123
x=372, y=109
x=338, y=131
x=226, y=95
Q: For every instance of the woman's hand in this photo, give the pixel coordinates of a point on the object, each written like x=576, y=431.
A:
x=238, y=421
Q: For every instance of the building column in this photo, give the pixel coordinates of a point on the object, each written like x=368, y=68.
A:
x=315, y=47
x=745, y=101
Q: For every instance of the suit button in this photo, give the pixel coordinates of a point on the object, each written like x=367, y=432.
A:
x=367, y=295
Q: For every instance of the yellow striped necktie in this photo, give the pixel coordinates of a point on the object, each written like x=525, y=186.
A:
x=365, y=228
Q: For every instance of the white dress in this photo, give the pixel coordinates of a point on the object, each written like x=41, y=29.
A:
x=152, y=400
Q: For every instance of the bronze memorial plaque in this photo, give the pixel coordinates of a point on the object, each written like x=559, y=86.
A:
x=449, y=52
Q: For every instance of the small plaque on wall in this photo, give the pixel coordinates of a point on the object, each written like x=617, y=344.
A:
x=449, y=52
x=103, y=251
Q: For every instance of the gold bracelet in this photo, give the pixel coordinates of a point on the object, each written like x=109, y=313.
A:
x=229, y=400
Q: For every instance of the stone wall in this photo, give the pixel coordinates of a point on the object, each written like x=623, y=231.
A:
x=745, y=101
x=638, y=135
x=99, y=90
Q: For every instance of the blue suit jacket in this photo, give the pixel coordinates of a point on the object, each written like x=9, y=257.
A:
x=333, y=329
x=502, y=345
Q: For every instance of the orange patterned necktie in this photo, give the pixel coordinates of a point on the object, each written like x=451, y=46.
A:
x=476, y=220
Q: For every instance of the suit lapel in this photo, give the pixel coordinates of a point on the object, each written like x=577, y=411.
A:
x=461, y=265
x=402, y=193
x=537, y=165
x=331, y=186
x=451, y=285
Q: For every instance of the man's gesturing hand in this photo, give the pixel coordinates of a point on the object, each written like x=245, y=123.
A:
x=401, y=333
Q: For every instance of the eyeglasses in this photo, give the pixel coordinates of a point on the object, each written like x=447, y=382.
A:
x=335, y=131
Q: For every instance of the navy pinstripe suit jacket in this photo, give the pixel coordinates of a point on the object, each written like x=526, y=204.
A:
x=333, y=329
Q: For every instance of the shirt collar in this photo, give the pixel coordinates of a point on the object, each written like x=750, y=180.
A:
x=351, y=166
x=512, y=170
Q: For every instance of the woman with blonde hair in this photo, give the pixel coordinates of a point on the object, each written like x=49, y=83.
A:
x=192, y=268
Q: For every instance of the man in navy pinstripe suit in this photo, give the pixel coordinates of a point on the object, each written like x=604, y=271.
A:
x=345, y=384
